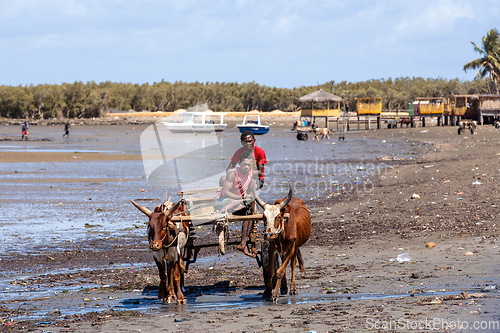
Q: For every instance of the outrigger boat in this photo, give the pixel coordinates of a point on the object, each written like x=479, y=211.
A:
x=252, y=125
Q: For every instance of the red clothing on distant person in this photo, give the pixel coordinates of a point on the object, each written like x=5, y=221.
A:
x=258, y=153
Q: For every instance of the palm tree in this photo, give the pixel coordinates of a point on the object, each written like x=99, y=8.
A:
x=489, y=63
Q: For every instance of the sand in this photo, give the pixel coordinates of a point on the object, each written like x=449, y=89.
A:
x=449, y=197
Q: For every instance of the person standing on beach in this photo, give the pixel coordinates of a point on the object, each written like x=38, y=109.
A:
x=24, y=131
x=66, y=130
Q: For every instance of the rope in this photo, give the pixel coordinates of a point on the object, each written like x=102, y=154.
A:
x=161, y=241
x=169, y=245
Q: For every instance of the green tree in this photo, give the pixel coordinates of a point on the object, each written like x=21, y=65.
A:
x=489, y=61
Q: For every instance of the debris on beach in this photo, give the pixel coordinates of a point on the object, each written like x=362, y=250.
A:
x=403, y=257
x=434, y=300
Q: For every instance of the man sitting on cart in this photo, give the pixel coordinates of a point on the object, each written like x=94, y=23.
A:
x=248, y=145
x=236, y=193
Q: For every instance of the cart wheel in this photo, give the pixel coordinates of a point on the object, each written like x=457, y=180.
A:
x=302, y=136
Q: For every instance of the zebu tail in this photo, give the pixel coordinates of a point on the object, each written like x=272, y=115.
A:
x=301, y=262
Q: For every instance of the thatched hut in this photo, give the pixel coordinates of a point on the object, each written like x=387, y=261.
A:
x=320, y=104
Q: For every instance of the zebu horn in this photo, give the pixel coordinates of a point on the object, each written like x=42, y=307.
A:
x=171, y=210
x=288, y=197
x=165, y=205
x=142, y=208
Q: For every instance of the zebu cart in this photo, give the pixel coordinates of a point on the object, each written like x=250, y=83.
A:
x=171, y=236
x=198, y=206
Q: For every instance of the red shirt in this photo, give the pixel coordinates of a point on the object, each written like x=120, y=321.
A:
x=258, y=153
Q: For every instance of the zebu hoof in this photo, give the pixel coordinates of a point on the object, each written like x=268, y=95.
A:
x=275, y=296
x=170, y=299
x=293, y=292
x=266, y=294
x=181, y=301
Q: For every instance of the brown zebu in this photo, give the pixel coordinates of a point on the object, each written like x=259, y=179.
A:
x=287, y=228
x=406, y=121
x=166, y=241
x=321, y=133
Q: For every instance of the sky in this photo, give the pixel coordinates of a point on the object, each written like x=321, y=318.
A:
x=276, y=43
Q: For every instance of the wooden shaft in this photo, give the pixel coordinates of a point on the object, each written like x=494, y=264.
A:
x=207, y=219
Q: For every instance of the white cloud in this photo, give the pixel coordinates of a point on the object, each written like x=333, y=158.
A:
x=438, y=17
x=209, y=40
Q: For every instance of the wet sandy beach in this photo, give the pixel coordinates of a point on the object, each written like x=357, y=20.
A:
x=83, y=265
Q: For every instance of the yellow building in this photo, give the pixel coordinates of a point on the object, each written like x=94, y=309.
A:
x=430, y=106
x=369, y=106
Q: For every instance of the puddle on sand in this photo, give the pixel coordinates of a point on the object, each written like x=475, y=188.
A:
x=30, y=285
x=204, y=298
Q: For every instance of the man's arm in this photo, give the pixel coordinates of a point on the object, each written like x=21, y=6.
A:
x=260, y=170
x=228, y=184
x=250, y=190
x=230, y=166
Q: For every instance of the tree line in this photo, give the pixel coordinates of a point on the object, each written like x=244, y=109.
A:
x=86, y=100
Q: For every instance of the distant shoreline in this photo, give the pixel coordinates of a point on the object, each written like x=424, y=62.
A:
x=144, y=117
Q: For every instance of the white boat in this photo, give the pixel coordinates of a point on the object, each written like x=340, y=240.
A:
x=197, y=122
x=252, y=123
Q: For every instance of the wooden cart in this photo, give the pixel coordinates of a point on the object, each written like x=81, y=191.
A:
x=199, y=206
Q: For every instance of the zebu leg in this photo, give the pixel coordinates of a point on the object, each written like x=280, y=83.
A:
x=178, y=276
x=270, y=270
x=281, y=271
x=293, y=289
x=283, y=287
x=182, y=239
x=171, y=263
x=159, y=257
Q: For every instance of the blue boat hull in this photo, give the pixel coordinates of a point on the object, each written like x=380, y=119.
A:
x=254, y=129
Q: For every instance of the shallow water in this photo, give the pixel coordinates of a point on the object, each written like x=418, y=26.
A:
x=54, y=203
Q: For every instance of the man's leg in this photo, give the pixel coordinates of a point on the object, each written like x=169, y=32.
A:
x=245, y=231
